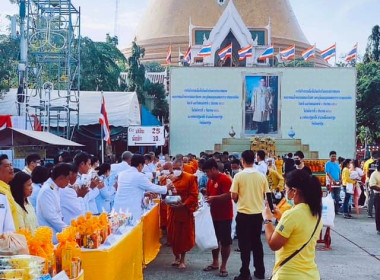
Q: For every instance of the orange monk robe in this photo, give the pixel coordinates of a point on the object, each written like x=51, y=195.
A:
x=189, y=168
x=194, y=163
x=163, y=206
x=181, y=230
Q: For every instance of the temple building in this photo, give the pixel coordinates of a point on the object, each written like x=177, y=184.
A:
x=218, y=23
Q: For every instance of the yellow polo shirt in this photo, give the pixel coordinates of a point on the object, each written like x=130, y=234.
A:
x=374, y=180
x=366, y=167
x=275, y=180
x=251, y=186
x=297, y=225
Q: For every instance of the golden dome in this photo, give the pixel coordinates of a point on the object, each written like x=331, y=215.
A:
x=167, y=22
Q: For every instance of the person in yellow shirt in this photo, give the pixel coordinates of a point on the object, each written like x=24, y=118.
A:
x=248, y=191
x=6, y=175
x=275, y=180
x=374, y=184
x=345, y=181
x=21, y=187
x=369, y=193
x=298, y=228
x=279, y=163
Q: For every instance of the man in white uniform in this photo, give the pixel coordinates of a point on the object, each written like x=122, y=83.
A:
x=72, y=198
x=6, y=219
x=132, y=185
x=83, y=162
x=49, y=212
x=116, y=168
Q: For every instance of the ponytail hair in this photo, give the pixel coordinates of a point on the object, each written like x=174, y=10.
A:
x=309, y=187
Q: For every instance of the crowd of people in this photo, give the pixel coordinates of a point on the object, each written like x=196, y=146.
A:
x=235, y=186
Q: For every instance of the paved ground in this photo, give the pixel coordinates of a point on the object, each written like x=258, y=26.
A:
x=355, y=255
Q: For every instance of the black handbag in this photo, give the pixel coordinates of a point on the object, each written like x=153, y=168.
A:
x=297, y=251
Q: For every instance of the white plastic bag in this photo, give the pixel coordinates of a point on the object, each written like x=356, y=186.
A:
x=350, y=188
x=205, y=237
x=328, y=211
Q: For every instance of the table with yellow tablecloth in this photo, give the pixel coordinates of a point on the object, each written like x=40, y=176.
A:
x=125, y=258
x=151, y=234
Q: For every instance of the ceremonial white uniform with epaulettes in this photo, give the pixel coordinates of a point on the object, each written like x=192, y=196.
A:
x=88, y=202
x=6, y=219
x=49, y=212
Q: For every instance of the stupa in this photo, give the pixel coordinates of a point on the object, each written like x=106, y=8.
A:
x=181, y=23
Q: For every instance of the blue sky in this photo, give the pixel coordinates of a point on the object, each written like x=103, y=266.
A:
x=323, y=21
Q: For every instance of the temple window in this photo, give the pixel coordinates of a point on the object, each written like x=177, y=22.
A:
x=260, y=34
x=200, y=35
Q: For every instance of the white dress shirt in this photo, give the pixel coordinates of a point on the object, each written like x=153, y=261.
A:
x=33, y=197
x=116, y=168
x=132, y=185
x=49, y=211
x=88, y=202
x=6, y=219
x=106, y=196
x=71, y=204
x=262, y=167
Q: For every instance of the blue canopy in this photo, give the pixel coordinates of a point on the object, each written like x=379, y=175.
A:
x=148, y=119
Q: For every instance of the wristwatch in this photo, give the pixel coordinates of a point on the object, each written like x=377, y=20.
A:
x=267, y=221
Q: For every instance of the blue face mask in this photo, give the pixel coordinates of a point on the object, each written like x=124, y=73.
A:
x=290, y=201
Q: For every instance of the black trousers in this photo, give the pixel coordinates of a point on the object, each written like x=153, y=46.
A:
x=377, y=210
x=248, y=230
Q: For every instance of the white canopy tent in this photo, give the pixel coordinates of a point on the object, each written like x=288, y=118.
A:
x=122, y=107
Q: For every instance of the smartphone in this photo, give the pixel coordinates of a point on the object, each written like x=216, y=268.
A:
x=270, y=201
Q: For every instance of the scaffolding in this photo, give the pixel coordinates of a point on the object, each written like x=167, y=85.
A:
x=52, y=80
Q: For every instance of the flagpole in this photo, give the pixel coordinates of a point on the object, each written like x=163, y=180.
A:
x=231, y=55
x=294, y=58
x=101, y=133
x=335, y=55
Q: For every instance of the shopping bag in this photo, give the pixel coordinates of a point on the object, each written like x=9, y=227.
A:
x=205, y=237
x=328, y=211
x=350, y=188
x=14, y=242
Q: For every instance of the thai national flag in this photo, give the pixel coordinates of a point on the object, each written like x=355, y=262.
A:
x=245, y=52
x=268, y=53
x=353, y=53
x=103, y=120
x=226, y=52
x=187, y=56
x=288, y=53
x=205, y=51
x=309, y=53
x=329, y=53
x=169, y=55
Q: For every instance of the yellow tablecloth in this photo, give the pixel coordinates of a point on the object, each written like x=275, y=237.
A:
x=123, y=260
x=151, y=234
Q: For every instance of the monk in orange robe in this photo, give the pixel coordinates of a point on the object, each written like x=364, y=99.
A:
x=193, y=161
x=181, y=230
x=167, y=169
x=187, y=166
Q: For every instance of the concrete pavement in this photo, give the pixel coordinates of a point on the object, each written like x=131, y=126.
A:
x=355, y=254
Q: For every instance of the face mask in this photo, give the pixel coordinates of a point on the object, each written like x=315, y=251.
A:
x=165, y=172
x=297, y=162
x=290, y=201
x=177, y=173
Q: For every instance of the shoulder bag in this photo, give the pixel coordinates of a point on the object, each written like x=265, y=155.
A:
x=297, y=251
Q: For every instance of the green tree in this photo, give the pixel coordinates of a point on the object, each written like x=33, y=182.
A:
x=161, y=106
x=112, y=40
x=9, y=55
x=136, y=72
x=368, y=98
x=101, y=64
x=373, y=46
x=153, y=67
